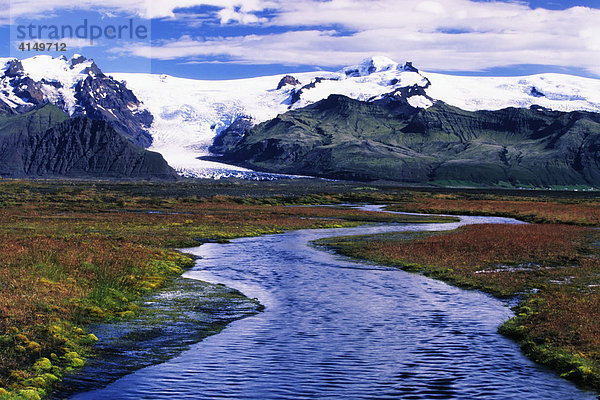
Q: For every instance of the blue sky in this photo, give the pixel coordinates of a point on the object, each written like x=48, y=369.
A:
x=226, y=39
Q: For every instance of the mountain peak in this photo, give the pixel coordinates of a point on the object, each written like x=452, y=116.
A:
x=79, y=88
x=77, y=59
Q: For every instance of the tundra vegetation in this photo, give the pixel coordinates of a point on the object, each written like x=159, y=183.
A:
x=75, y=252
x=551, y=267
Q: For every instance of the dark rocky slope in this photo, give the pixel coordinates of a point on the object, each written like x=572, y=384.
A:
x=387, y=139
x=45, y=143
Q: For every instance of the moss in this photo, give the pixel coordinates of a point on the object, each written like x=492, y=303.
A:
x=33, y=347
x=77, y=363
x=38, y=381
x=30, y=394
x=91, y=338
x=43, y=364
x=126, y=314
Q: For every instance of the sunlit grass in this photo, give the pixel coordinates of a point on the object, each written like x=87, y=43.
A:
x=530, y=209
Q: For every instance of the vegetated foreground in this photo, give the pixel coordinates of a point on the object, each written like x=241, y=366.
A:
x=75, y=252
x=78, y=252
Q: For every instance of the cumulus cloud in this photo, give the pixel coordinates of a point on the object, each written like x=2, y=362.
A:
x=455, y=35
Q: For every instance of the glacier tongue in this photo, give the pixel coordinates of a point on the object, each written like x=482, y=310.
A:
x=190, y=113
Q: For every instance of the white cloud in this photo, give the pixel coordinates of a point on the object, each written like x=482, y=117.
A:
x=76, y=43
x=435, y=34
x=233, y=10
x=432, y=7
x=494, y=34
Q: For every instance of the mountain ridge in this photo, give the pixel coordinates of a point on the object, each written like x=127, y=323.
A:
x=190, y=114
x=79, y=88
x=184, y=119
x=45, y=143
x=343, y=138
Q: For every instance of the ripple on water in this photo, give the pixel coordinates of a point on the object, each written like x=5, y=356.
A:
x=335, y=329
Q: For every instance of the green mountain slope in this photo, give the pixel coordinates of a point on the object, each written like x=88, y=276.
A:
x=45, y=143
x=348, y=139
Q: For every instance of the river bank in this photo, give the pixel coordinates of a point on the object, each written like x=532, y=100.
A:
x=76, y=253
x=183, y=312
x=335, y=328
x=552, y=270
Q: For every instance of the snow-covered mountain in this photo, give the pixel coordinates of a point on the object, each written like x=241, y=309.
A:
x=79, y=88
x=183, y=116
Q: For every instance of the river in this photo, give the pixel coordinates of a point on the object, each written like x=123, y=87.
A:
x=333, y=328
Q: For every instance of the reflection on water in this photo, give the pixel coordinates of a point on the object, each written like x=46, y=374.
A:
x=337, y=329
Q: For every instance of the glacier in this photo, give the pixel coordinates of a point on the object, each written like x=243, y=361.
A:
x=190, y=113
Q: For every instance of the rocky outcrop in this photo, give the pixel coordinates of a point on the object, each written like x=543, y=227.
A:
x=288, y=80
x=103, y=98
x=536, y=93
x=15, y=68
x=45, y=143
x=408, y=66
x=30, y=91
x=232, y=135
x=98, y=97
x=77, y=59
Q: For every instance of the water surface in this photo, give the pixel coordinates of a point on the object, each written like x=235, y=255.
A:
x=337, y=329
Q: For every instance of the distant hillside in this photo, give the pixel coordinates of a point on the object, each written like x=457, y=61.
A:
x=45, y=143
x=388, y=139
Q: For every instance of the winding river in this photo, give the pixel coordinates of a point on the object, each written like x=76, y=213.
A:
x=337, y=329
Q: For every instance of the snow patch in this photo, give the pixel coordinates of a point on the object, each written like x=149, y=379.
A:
x=561, y=92
x=189, y=113
x=57, y=70
x=419, y=102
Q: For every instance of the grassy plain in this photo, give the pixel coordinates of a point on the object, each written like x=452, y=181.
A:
x=74, y=252
x=579, y=208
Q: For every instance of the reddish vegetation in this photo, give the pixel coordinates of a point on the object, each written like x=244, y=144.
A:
x=577, y=329
x=533, y=210
x=76, y=254
x=556, y=267
x=489, y=247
